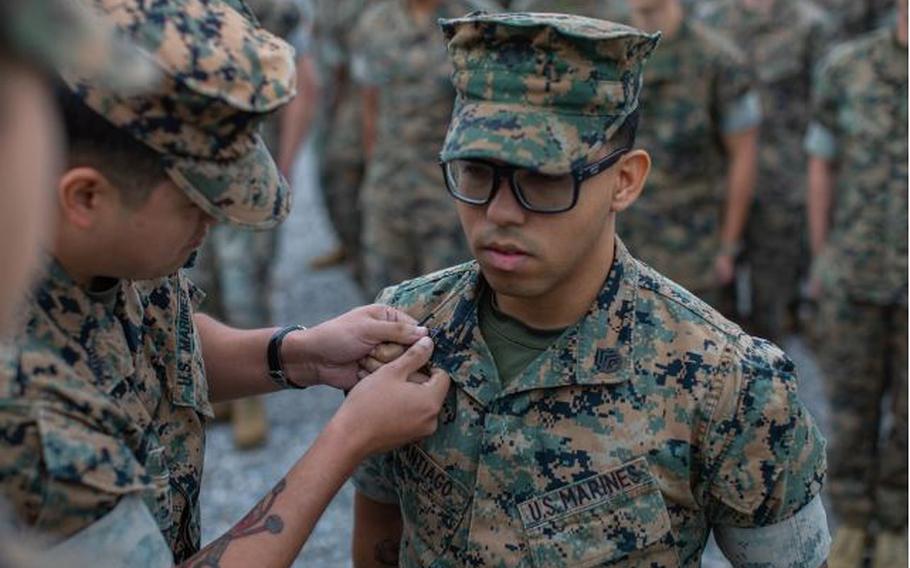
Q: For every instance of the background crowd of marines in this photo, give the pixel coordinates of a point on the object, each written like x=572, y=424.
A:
x=751, y=114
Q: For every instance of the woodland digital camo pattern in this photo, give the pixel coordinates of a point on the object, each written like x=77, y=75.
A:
x=783, y=47
x=694, y=81
x=541, y=91
x=863, y=355
x=409, y=224
x=99, y=403
x=223, y=76
x=646, y=424
x=861, y=102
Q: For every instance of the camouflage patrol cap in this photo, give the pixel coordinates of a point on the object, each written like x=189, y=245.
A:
x=56, y=34
x=541, y=91
x=222, y=75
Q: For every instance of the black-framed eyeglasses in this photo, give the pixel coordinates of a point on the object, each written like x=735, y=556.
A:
x=476, y=181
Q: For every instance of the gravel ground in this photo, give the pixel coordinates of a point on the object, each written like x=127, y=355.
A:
x=234, y=481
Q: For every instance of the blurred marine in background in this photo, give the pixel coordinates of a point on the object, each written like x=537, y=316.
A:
x=858, y=223
x=700, y=118
x=783, y=40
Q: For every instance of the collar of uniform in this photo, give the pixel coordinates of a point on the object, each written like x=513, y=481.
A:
x=90, y=324
x=596, y=350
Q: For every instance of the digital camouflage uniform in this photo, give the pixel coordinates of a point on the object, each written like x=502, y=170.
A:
x=860, y=126
x=646, y=424
x=409, y=224
x=782, y=46
x=104, y=398
x=699, y=90
x=343, y=163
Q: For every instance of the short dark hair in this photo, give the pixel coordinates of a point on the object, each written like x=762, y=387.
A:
x=132, y=167
x=624, y=137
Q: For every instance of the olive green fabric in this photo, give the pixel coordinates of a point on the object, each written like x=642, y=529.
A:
x=513, y=345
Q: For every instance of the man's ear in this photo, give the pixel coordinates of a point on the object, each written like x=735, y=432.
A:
x=84, y=194
x=632, y=172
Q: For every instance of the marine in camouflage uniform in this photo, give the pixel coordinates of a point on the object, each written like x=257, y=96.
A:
x=409, y=224
x=637, y=430
x=783, y=44
x=104, y=399
x=859, y=130
x=700, y=90
x=342, y=164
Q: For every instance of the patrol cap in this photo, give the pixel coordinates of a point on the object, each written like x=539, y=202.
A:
x=541, y=91
x=57, y=34
x=222, y=75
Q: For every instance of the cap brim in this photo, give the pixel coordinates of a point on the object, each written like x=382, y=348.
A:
x=524, y=135
x=249, y=192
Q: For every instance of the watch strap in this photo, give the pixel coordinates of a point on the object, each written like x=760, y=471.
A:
x=276, y=367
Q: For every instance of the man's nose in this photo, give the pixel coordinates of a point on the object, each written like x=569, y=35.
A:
x=504, y=208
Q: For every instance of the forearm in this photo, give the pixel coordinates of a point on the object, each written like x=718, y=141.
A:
x=236, y=360
x=274, y=531
x=819, y=203
x=742, y=150
x=377, y=533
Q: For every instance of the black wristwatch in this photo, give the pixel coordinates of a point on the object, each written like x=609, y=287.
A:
x=273, y=353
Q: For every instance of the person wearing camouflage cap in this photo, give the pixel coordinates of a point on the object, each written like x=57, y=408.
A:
x=104, y=395
x=600, y=414
x=857, y=144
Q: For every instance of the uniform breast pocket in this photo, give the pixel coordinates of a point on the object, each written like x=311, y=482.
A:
x=433, y=505
x=615, y=518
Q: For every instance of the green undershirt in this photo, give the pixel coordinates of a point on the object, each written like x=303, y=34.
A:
x=513, y=344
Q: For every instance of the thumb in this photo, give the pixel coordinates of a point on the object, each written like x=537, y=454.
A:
x=439, y=385
x=413, y=359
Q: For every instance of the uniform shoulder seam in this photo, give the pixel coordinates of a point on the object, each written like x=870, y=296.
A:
x=674, y=293
x=435, y=277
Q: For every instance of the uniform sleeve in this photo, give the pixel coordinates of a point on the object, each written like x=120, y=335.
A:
x=59, y=473
x=766, y=457
x=822, y=136
x=128, y=535
x=375, y=479
x=736, y=100
x=369, y=64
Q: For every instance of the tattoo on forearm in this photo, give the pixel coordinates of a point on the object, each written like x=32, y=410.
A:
x=258, y=520
x=386, y=552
